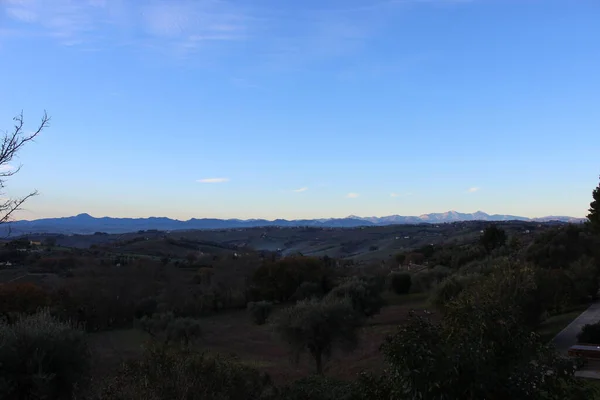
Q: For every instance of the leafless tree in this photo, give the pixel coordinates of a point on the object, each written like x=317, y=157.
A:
x=10, y=144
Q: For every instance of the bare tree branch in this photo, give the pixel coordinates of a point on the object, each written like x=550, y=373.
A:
x=10, y=144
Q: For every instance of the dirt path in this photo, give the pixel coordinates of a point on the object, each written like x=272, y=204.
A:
x=568, y=336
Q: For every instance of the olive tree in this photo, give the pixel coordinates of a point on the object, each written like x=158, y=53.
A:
x=318, y=327
x=167, y=329
x=11, y=143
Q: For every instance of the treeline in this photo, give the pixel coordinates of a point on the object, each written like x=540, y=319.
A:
x=479, y=343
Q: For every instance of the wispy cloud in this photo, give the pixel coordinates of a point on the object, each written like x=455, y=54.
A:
x=303, y=189
x=400, y=194
x=352, y=195
x=179, y=23
x=213, y=180
x=473, y=190
x=282, y=33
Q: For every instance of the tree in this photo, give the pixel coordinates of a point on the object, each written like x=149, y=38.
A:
x=594, y=215
x=400, y=282
x=400, y=258
x=493, y=237
x=364, y=295
x=167, y=329
x=483, y=347
x=318, y=327
x=279, y=280
x=10, y=144
x=589, y=334
x=260, y=311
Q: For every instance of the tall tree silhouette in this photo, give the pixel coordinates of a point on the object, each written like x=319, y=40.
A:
x=594, y=215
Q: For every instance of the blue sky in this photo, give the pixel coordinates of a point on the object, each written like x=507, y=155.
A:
x=303, y=109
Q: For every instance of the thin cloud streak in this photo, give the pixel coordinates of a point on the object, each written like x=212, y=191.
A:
x=179, y=24
x=473, y=190
x=213, y=180
x=352, y=195
x=304, y=189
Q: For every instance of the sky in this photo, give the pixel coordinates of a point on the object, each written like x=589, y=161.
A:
x=303, y=109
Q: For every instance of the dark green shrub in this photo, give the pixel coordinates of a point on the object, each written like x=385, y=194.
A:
x=590, y=334
x=42, y=358
x=167, y=329
x=308, y=290
x=317, y=388
x=165, y=373
x=260, y=311
x=146, y=307
x=400, y=282
x=279, y=280
x=365, y=296
x=450, y=288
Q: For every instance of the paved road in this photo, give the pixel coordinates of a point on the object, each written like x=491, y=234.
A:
x=568, y=336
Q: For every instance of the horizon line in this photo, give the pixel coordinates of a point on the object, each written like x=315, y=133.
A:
x=351, y=216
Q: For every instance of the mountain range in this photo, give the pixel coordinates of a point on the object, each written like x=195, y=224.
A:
x=86, y=224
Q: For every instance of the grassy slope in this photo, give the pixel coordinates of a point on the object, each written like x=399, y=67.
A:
x=234, y=333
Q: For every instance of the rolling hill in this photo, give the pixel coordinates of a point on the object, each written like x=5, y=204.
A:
x=86, y=224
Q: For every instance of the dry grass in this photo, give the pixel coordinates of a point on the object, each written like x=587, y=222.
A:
x=234, y=333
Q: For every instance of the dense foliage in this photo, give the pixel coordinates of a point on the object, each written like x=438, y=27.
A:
x=594, y=215
x=42, y=358
x=279, y=280
x=400, y=282
x=364, y=295
x=165, y=373
x=590, y=334
x=492, y=238
x=482, y=348
x=166, y=328
x=260, y=311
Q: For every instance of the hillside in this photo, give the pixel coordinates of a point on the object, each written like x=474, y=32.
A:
x=360, y=243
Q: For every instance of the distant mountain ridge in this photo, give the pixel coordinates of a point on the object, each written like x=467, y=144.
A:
x=86, y=224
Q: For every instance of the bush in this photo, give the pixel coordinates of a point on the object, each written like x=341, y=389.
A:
x=365, y=296
x=450, y=288
x=170, y=374
x=308, y=290
x=106, y=298
x=168, y=329
x=589, y=334
x=317, y=388
x=400, y=282
x=584, y=275
x=260, y=311
x=279, y=280
x=21, y=298
x=54, y=264
x=146, y=307
x=41, y=357
x=425, y=280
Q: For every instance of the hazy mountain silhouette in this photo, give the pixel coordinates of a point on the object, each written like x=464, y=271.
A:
x=86, y=224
